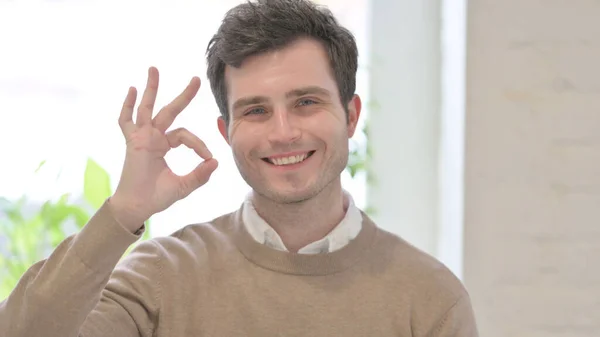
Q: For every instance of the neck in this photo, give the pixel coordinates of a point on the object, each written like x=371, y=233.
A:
x=301, y=223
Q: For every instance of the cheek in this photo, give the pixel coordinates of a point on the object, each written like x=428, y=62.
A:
x=329, y=129
x=232, y=129
x=244, y=142
x=246, y=131
x=236, y=141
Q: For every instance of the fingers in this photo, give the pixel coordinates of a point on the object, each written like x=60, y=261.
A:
x=198, y=177
x=144, y=113
x=166, y=115
x=126, y=116
x=183, y=136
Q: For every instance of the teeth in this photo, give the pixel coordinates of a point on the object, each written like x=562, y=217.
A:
x=288, y=160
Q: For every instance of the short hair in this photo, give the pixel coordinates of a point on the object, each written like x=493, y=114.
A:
x=261, y=26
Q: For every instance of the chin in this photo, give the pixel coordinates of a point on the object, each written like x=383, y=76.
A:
x=288, y=196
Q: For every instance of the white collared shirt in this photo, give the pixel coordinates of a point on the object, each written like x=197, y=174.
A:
x=339, y=237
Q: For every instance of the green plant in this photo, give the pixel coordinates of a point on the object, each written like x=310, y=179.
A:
x=28, y=236
x=359, y=157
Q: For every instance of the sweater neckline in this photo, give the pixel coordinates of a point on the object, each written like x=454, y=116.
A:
x=303, y=264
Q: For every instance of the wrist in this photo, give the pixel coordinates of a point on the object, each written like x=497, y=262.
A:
x=125, y=215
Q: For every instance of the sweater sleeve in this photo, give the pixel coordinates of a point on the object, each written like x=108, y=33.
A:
x=459, y=321
x=69, y=293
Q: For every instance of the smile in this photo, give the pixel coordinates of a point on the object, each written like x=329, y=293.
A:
x=288, y=159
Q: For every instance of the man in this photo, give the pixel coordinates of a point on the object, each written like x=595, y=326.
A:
x=297, y=259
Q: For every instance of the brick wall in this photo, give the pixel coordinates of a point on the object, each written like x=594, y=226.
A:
x=532, y=193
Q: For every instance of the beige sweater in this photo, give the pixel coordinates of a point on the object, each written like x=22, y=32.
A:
x=213, y=279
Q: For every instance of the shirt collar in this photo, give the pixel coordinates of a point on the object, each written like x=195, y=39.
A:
x=339, y=237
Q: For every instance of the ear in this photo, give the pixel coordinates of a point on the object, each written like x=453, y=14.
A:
x=354, y=108
x=223, y=128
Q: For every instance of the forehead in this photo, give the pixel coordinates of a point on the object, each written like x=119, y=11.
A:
x=303, y=63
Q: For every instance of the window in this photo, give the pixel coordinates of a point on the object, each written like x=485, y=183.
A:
x=66, y=67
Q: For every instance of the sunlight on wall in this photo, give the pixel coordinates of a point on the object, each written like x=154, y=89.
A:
x=452, y=133
x=66, y=72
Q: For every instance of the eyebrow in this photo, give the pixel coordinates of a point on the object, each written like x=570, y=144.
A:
x=311, y=90
x=245, y=101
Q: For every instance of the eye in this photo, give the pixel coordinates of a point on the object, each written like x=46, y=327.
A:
x=306, y=101
x=255, y=111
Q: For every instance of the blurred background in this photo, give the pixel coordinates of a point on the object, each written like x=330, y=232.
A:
x=480, y=139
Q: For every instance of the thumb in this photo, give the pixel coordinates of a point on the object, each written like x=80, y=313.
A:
x=198, y=177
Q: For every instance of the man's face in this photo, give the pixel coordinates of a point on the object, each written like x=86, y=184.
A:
x=288, y=129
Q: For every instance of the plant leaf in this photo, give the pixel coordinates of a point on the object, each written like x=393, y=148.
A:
x=80, y=215
x=40, y=165
x=96, y=184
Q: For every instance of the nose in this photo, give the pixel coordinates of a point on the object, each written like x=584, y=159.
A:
x=284, y=127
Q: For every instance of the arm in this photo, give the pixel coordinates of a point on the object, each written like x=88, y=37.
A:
x=459, y=321
x=69, y=294
x=54, y=297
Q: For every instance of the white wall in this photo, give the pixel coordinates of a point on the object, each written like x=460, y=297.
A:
x=450, y=236
x=405, y=121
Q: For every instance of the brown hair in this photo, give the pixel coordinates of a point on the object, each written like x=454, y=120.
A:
x=265, y=25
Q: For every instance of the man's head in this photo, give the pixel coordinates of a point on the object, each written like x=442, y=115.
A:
x=283, y=74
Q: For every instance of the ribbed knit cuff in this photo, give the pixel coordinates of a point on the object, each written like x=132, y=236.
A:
x=103, y=241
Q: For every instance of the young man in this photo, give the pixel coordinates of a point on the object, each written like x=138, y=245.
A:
x=297, y=259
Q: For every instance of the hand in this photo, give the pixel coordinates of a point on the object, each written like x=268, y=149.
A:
x=147, y=185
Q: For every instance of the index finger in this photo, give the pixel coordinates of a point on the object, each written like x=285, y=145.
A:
x=126, y=116
x=185, y=137
x=166, y=116
x=144, y=113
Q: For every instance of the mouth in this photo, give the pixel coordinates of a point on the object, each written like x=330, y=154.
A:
x=288, y=160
